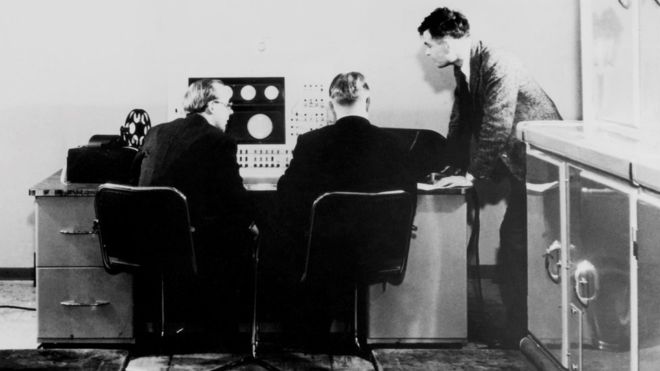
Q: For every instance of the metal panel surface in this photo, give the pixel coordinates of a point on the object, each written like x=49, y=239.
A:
x=63, y=239
x=648, y=241
x=75, y=304
x=600, y=271
x=431, y=304
x=545, y=253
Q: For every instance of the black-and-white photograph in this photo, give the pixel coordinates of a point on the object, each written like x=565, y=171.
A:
x=330, y=185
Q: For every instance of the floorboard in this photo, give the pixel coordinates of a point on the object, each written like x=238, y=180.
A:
x=19, y=330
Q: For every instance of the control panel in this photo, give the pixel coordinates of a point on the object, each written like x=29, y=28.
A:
x=263, y=157
x=258, y=104
x=269, y=115
x=307, y=112
x=310, y=113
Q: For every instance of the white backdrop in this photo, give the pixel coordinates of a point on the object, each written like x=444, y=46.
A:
x=71, y=69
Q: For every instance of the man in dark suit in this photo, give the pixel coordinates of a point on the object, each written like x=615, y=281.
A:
x=493, y=94
x=350, y=155
x=194, y=155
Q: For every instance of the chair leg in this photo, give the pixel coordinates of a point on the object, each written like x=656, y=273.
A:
x=356, y=333
x=254, y=328
x=363, y=349
x=162, y=306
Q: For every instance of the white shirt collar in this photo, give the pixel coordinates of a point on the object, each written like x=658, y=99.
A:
x=465, y=67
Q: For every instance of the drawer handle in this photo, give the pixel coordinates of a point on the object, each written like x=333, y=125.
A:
x=73, y=303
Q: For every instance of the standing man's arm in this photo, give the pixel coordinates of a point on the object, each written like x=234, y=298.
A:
x=500, y=98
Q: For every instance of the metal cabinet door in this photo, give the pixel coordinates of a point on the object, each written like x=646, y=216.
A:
x=600, y=220
x=545, y=251
x=648, y=278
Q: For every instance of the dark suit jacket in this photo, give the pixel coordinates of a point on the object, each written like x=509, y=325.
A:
x=501, y=94
x=199, y=160
x=351, y=155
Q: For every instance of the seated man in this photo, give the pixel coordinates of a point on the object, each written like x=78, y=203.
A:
x=194, y=155
x=350, y=155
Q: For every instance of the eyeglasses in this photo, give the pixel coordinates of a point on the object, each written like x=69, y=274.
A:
x=227, y=105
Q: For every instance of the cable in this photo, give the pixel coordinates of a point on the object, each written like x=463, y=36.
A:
x=17, y=307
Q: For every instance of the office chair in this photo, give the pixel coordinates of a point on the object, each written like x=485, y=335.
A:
x=425, y=150
x=147, y=231
x=149, y=228
x=359, y=239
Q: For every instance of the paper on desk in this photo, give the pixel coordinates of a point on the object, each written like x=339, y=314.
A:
x=431, y=187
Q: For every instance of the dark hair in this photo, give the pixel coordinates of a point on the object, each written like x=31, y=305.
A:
x=445, y=22
x=199, y=94
x=346, y=88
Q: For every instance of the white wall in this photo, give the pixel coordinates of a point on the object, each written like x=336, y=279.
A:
x=71, y=69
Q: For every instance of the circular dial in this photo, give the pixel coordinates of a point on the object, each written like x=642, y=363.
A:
x=260, y=126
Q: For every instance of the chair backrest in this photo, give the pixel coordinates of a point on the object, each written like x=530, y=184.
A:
x=426, y=150
x=364, y=237
x=143, y=227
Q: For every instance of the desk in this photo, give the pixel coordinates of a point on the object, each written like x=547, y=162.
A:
x=78, y=302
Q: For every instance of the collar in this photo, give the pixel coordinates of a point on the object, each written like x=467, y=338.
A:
x=353, y=120
x=197, y=118
x=466, y=68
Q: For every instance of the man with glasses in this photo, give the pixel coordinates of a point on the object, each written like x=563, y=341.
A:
x=194, y=155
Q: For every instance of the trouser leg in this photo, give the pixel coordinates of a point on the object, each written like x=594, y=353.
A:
x=513, y=259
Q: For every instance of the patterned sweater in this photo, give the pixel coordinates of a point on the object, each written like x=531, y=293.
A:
x=501, y=94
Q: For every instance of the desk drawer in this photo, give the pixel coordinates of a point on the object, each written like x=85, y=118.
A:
x=57, y=216
x=78, y=304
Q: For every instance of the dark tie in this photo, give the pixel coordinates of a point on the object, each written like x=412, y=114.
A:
x=466, y=113
x=461, y=82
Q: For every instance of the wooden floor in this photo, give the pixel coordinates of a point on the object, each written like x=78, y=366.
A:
x=389, y=359
x=18, y=331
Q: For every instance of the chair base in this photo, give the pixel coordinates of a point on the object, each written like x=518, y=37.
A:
x=249, y=360
x=367, y=353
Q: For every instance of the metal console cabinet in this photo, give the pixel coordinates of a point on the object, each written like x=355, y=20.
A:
x=430, y=305
x=593, y=247
x=77, y=301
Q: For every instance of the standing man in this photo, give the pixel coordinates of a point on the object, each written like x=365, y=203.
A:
x=194, y=155
x=493, y=93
